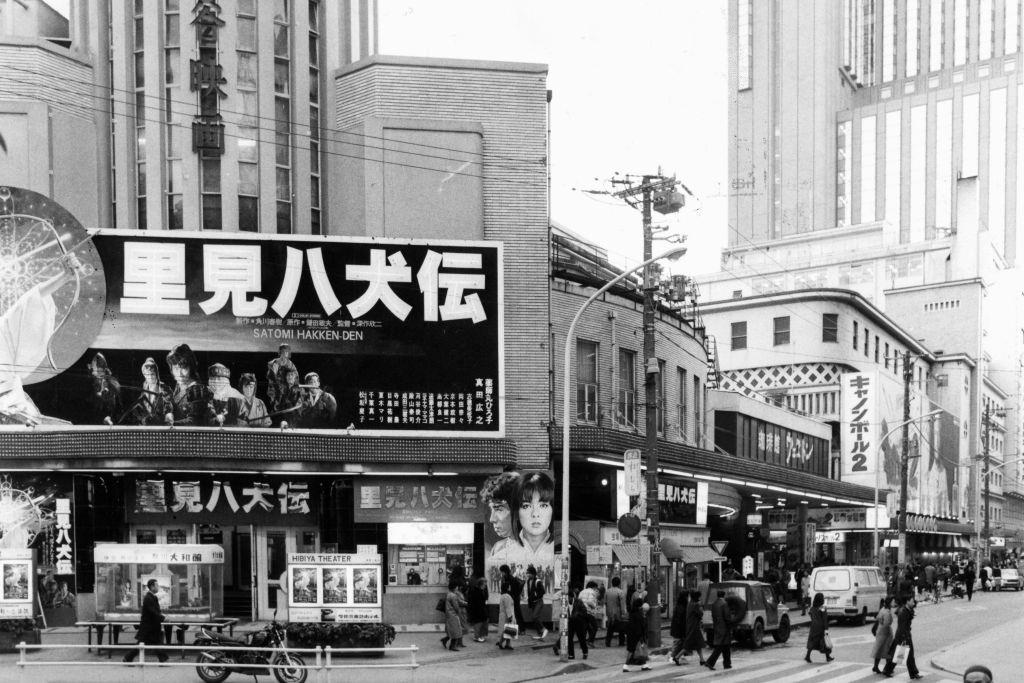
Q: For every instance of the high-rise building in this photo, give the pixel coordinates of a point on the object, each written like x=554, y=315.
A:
x=874, y=147
x=213, y=114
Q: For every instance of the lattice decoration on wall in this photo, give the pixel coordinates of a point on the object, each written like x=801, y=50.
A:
x=753, y=381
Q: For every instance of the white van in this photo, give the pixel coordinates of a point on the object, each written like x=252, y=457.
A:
x=850, y=592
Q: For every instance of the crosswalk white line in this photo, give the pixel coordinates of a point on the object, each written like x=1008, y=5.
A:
x=749, y=667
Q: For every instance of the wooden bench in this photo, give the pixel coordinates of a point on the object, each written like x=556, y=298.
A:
x=114, y=630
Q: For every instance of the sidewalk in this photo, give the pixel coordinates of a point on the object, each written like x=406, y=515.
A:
x=998, y=649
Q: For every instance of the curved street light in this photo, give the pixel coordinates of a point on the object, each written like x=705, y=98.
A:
x=563, y=622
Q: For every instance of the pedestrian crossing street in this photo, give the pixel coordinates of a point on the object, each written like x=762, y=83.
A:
x=757, y=670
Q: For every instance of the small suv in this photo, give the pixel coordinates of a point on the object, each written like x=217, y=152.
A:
x=1006, y=578
x=755, y=610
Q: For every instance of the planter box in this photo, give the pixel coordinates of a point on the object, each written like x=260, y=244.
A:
x=338, y=649
x=9, y=640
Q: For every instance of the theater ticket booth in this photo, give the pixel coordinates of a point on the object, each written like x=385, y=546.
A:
x=257, y=521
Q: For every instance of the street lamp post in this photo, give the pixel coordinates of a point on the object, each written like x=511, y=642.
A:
x=563, y=623
x=879, y=469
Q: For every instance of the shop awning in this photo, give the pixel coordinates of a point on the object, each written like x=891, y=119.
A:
x=632, y=554
x=688, y=554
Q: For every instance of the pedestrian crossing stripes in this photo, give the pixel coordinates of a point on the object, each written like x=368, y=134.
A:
x=776, y=671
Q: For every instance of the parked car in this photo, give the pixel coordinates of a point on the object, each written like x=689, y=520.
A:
x=755, y=609
x=1006, y=578
x=851, y=592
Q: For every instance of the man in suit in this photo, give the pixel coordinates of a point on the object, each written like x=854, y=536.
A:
x=722, y=641
x=616, y=611
x=150, y=629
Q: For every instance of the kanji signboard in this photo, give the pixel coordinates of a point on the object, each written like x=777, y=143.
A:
x=412, y=499
x=382, y=336
x=236, y=499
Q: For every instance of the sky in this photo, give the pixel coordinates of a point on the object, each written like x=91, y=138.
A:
x=637, y=87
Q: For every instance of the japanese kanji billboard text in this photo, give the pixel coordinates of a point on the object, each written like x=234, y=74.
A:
x=860, y=426
x=224, y=499
x=381, y=336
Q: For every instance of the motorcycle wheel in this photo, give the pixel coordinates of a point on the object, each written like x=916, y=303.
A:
x=208, y=668
x=289, y=674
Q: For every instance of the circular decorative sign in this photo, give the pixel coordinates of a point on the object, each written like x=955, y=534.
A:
x=629, y=525
x=52, y=288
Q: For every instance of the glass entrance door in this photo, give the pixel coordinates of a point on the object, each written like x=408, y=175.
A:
x=271, y=546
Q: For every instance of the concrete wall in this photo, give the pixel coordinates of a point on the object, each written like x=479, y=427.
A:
x=488, y=179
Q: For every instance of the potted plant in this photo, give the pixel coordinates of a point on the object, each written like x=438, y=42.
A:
x=341, y=636
x=14, y=631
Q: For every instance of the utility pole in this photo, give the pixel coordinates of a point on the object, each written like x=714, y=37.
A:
x=646, y=190
x=908, y=375
x=985, y=473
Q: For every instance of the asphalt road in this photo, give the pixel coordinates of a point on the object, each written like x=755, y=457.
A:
x=939, y=630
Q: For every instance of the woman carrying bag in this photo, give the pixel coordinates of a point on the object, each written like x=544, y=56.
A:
x=882, y=630
x=902, y=640
x=818, y=638
x=678, y=630
x=636, y=634
x=507, y=626
x=454, y=617
x=476, y=609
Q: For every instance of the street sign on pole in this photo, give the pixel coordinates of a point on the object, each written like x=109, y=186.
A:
x=634, y=480
x=719, y=546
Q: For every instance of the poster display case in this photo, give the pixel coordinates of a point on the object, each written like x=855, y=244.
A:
x=325, y=587
x=191, y=580
x=17, y=594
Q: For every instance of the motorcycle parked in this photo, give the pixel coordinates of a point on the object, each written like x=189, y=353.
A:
x=218, y=662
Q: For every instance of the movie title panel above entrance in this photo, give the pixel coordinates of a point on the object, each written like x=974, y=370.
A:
x=238, y=331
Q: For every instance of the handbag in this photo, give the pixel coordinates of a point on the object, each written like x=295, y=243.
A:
x=874, y=629
x=640, y=654
x=440, y=605
x=510, y=630
x=900, y=657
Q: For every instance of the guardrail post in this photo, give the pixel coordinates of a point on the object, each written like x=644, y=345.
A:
x=327, y=663
x=142, y=660
x=412, y=653
x=21, y=661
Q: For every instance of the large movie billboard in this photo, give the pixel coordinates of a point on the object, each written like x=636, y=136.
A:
x=246, y=331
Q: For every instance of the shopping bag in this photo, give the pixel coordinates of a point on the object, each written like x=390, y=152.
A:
x=640, y=654
x=900, y=658
x=828, y=642
x=510, y=630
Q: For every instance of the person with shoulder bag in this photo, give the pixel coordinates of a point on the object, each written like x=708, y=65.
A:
x=636, y=635
x=616, y=612
x=882, y=631
x=508, y=628
x=817, y=636
x=902, y=639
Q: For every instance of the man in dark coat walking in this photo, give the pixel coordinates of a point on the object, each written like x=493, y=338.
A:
x=722, y=640
x=969, y=580
x=151, y=630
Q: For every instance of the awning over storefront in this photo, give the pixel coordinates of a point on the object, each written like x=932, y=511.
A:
x=688, y=554
x=632, y=554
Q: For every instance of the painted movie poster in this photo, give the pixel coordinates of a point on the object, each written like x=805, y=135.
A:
x=519, y=530
x=138, y=329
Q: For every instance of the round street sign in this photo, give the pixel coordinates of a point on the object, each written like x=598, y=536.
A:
x=629, y=525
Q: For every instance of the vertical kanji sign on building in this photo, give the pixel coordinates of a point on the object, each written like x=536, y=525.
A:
x=860, y=427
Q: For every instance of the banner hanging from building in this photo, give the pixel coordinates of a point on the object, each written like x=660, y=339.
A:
x=860, y=427
x=383, y=336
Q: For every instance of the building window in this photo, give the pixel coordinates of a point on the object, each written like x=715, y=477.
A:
x=744, y=44
x=843, y=181
x=246, y=82
x=986, y=34
x=626, y=412
x=139, y=62
x=888, y=40
x=683, y=414
x=210, y=186
x=314, y=118
x=739, y=335
x=698, y=423
x=282, y=116
x=914, y=232
x=660, y=390
x=935, y=34
x=586, y=381
x=944, y=164
x=877, y=350
x=1011, y=27
x=893, y=136
x=997, y=168
x=886, y=355
x=867, y=342
x=913, y=40
x=830, y=327
x=856, y=334
x=172, y=68
x=961, y=29
x=780, y=334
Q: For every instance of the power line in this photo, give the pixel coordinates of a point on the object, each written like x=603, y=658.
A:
x=129, y=102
